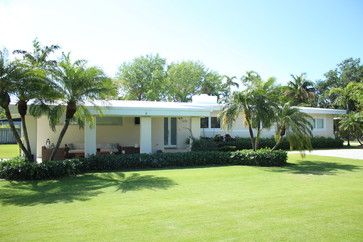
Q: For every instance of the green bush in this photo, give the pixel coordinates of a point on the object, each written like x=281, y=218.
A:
x=261, y=157
x=238, y=143
x=19, y=169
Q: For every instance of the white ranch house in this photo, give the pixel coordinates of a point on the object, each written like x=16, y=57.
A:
x=154, y=126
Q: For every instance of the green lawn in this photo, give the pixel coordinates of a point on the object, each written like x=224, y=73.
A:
x=317, y=198
x=9, y=150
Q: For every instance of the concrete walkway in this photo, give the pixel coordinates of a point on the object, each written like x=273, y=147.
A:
x=344, y=153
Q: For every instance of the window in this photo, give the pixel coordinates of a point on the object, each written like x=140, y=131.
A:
x=137, y=120
x=170, y=132
x=215, y=123
x=318, y=123
x=204, y=123
x=109, y=120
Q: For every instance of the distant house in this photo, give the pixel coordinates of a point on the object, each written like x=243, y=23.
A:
x=146, y=127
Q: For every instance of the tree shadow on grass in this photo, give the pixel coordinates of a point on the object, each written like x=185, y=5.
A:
x=308, y=167
x=80, y=188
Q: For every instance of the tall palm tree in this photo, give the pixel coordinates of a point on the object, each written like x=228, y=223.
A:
x=300, y=90
x=229, y=81
x=264, y=102
x=39, y=57
x=257, y=103
x=77, y=84
x=8, y=73
x=295, y=125
x=31, y=81
x=240, y=102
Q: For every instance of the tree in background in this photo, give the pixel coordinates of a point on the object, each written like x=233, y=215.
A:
x=300, y=90
x=228, y=85
x=76, y=83
x=188, y=78
x=349, y=70
x=143, y=78
x=346, y=97
x=184, y=79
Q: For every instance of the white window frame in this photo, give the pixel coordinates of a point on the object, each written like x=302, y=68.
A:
x=210, y=125
x=169, y=145
x=315, y=124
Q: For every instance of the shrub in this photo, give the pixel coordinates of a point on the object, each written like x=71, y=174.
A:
x=19, y=169
x=184, y=159
x=238, y=143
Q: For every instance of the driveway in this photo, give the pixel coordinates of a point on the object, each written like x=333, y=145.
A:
x=344, y=153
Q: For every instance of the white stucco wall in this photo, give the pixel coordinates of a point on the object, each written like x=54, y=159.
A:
x=32, y=127
x=183, y=132
x=128, y=134
x=240, y=130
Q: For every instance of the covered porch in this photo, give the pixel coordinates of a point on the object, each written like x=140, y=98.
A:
x=116, y=134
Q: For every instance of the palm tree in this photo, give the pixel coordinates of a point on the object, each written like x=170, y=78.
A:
x=300, y=90
x=346, y=96
x=27, y=84
x=352, y=123
x=40, y=55
x=8, y=73
x=227, y=86
x=229, y=81
x=240, y=102
x=31, y=79
x=77, y=84
x=257, y=103
x=264, y=102
x=295, y=125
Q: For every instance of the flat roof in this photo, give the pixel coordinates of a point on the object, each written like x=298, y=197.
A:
x=178, y=109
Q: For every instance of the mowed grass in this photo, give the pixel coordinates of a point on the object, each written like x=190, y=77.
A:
x=9, y=150
x=316, y=198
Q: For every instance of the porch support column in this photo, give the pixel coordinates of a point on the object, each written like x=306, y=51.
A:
x=195, y=127
x=145, y=135
x=90, y=147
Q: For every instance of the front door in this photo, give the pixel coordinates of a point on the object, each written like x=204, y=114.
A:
x=170, y=132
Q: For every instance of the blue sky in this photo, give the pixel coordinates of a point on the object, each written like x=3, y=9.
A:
x=274, y=38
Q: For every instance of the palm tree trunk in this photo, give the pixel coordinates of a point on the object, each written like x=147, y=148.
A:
x=277, y=143
x=60, y=138
x=257, y=140
x=25, y=133
x=22, y=110
x=16, y=134
x=348, y=139
x=250, y=130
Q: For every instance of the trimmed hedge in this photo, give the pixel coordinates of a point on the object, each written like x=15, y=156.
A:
x=18, y=169
x=261, y=157
x=233, y=144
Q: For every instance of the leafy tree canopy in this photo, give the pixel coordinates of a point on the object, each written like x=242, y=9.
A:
x=349, y=70
x=142, y=78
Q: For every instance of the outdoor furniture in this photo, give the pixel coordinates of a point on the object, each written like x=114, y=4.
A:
x=128, y=150
x=60, y=155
